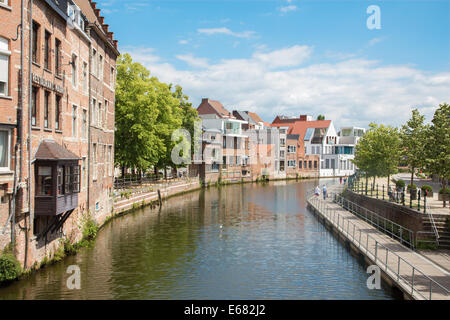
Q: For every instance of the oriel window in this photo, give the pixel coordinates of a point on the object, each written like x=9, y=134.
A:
x=45, y=181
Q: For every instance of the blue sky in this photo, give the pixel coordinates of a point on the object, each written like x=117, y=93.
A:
x=294, y=57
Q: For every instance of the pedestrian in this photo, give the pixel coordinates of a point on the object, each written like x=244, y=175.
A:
x=340, y=180
x=324, y=190
x=317, y=191
x=345, y=180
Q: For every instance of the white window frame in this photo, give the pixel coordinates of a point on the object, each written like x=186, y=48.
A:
x=289, y=148
x=8, y=150
x=74, y=70
x=292, y=163
x=7, y=53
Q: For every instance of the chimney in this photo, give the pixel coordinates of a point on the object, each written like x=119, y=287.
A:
x=94, y=5
x=205, y=100
x=115, y=44
x=303, y=117
x=101, y=19
x=97, y=12
x=106, y=28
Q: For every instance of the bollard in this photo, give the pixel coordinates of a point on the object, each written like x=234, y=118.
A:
x=418, y=201
x=425, y=204
x=383, y=191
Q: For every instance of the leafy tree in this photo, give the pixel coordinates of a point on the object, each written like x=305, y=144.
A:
x=378, y=152
x=137, y=143
x=320, y=117
x=413, y=142
x=438, y=146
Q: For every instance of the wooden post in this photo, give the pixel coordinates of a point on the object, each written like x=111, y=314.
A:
x=159, y=197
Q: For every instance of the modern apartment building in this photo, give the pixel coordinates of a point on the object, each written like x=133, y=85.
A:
x=48, y=115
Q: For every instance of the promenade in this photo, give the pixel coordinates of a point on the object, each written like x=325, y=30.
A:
x=415, y=275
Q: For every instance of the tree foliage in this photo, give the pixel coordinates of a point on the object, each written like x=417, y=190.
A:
x=414, y=142
x=147, y=113
x=438, y=144
x=377, y=153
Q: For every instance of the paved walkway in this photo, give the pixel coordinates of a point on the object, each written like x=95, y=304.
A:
x=414, y=273
x=440, y=257
x=434, y=206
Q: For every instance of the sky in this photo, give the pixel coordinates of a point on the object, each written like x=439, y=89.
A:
x=295, y=57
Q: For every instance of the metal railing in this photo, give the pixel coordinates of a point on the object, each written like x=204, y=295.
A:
x=407, y=275
x=389, y=227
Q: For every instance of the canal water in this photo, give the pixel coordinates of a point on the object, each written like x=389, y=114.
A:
x=250, y=241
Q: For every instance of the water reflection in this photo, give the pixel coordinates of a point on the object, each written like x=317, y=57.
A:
x=236, y=242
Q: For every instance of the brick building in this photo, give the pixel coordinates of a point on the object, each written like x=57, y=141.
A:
x=63, y=158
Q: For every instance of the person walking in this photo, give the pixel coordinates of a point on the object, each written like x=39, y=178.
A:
x=324, y=190
x=317, y=191
x=340, y=180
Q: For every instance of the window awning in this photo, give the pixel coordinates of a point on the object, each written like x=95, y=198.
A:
x=51, y=150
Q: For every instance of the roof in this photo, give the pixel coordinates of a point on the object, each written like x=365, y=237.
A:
x=219, y=108
x=255, y=117
x=300, y=127
x=51, y=150
x=242, y=115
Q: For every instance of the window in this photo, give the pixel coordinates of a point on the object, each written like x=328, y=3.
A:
x=310, y=164
x=315, y=164
x=84, y=171
x=111, y=160
x=112, y=78
x=94, y=112
x=105, y=113
x=58, y=112
x=299, y=164
x=84, y=127
x=74, y=70
x=46, y=107
x=291, y=163
x=47, y=50
x=4, y=149
x=71, y=179
x=35, y=49
x=74, y=121
x=4, y=2
x=292, y=149
x=282, y=142
x=4, y=66
x=94, y=62
x=60, y=181
x=57, y=57
x=99, y=118
x=327, y=163
x=44, y=181
x=84, y=77
x=34, y=103
x=100, y=67
x=94, y=160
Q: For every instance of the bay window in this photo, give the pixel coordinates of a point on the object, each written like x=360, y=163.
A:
x=4, y=66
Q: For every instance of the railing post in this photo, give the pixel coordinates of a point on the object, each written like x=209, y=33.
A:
x=376, y=251
x=412, y=282
x=383, y=191
x=398, y=268
x=418, y=197
x=425, y=204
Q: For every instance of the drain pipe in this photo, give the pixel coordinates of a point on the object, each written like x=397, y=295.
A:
x=30, y=92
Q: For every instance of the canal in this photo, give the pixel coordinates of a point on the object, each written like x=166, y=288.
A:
x=250, y=241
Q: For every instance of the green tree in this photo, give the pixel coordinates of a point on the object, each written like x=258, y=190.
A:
x=413, y=142
x=320, y=117
x=378, y=152
x=137, y=143
x=438, y=146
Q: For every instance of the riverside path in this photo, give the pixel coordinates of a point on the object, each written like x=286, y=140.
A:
x=416, y=276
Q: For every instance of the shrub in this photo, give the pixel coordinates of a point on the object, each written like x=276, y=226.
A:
x=444, y=191
x=412, y=187
x=400, y=183
x=9, y=267
x=426, y=187
x=90, y=228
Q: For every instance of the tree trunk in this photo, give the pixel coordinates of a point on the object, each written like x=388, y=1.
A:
x=123, y=171
x=412, y=176
x=156, y=172
x=165, y=173
x=388, y=182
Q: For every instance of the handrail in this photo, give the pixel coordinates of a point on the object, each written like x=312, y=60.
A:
x=375, y=220
x=335, y=218
x=433, y=224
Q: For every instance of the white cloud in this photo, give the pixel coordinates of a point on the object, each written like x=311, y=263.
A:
x=183, y=41
x=374, y=41
x=287, y=57
x=289, y=8
x=226, y=31
x=193, y=61
x=351, y=91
